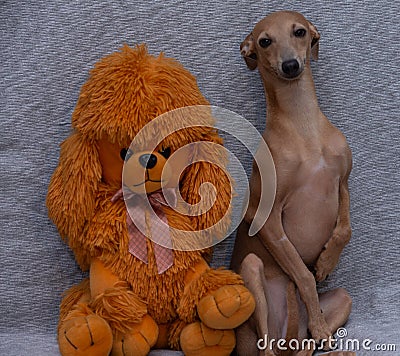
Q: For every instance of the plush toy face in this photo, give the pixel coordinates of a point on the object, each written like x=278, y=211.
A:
x=143, y=172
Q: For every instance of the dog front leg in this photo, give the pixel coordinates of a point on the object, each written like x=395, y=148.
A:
x=285, y=254
x=330, y=254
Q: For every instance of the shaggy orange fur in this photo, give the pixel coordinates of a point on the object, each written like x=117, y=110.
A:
x=130, y=305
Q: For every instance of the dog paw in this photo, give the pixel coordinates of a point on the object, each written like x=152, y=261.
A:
x=227, y=307
x=325, y=264
x=320, y=332
x=199, y=340
x=138, y=341
x=85, y=336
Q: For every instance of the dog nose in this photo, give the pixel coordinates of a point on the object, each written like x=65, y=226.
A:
x=148, y=160
x=290, y=67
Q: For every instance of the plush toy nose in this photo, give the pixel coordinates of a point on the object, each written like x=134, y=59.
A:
x=148, y=160
x=290, y=67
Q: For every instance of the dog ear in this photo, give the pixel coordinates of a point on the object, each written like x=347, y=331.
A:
x=248, y=53
x=73, y=187
x=315, y=36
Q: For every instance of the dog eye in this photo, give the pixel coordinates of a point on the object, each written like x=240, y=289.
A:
x=126, y=153
x=300, y=32
x=264, y=42
x=166, y=152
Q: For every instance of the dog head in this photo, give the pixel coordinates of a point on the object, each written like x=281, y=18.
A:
x=281, y=43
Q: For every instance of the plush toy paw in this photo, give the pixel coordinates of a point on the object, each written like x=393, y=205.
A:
x=227, y=307
x=138, y=341
x=198, y=340
x=85, y=336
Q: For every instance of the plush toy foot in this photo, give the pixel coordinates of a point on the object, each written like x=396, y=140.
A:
x=138, y=341
x=227, y=307
x=85, y=336
x=199, y=340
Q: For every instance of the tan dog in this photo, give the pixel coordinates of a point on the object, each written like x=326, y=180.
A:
x=309, y=224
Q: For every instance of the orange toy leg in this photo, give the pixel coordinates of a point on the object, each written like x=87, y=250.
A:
x=83, y=333
x=138, y=341
x=80, y=331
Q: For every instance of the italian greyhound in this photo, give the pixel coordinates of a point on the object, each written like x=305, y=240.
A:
x=309, y=224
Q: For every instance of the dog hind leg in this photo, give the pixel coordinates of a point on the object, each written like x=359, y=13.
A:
x=256, y=328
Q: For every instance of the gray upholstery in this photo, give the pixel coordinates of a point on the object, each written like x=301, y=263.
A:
x=46, y=50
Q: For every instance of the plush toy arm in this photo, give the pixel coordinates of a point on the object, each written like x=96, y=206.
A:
x=113, y=300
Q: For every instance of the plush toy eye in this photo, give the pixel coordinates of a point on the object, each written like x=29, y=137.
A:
x=126, y=153
x=264, y=42
x=300, y=32
x=166, y=152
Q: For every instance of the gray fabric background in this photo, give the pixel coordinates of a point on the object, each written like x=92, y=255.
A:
x=46, y=50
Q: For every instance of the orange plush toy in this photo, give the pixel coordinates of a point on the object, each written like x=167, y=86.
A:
x=136, y=301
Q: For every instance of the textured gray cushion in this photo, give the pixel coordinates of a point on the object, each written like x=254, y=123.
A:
x=46, y=51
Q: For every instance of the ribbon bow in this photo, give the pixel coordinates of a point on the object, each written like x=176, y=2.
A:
x=137, y=205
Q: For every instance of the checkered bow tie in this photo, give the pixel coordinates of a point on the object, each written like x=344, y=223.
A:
x=137, y=205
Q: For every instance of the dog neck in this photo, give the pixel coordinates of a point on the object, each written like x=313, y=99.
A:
x=292, y=102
